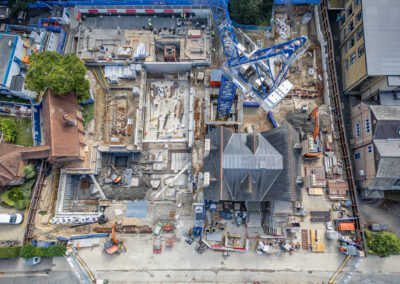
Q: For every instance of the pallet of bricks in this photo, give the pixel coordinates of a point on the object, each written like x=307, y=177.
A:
x=315, y=180
x=337, y=189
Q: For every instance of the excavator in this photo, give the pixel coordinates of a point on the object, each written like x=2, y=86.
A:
x=112, y=246
x=313, y=145
x=116, y=178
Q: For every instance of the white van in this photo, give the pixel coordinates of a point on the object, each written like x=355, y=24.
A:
x=14, y=218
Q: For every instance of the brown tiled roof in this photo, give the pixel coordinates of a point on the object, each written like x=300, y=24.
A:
x=37, y=152
x=10, y=163
x=64, y=139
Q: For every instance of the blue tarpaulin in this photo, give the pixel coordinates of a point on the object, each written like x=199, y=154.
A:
x=136, y=209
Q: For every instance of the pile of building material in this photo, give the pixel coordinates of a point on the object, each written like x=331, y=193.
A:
x=337, y=189
x=114, y=73
x=140, y=51
x=333, y=167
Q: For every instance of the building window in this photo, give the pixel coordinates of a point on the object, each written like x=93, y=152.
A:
x=397, y=182
x=358, y=17
x=350, y=26
x=398, y=131
x=350, y=10
x=342, y=19
x=352, y=58
x=357, y=156
x=360, y=33
x=361, y=51
x=352, y=42
x=358, y=130
x=347, y=64
x=344, y=33
x=370, y=149
x=356, y=3
x=367, y=125
x=346, y=47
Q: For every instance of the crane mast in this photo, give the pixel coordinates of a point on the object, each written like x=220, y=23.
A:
x=252, y=71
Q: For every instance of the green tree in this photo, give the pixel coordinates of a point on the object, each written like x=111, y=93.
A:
x=57, y=250
x=61, y=74
x=9, y=129
x=17, y=5
x=382, y=243
x=28, y=251
x=29, y=171
x=251, y=12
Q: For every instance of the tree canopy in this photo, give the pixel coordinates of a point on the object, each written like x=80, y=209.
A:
x=9, y=129
x=29, y=171
x=382, y=243
x=17, y=5
x=60, y=74
x=251, y=12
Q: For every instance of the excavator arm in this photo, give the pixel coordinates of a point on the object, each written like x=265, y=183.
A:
x=316, y=125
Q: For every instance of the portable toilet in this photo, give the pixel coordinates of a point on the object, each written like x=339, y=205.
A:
x=216, y=77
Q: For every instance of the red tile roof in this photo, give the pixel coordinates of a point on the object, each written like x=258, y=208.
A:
x=62, y=125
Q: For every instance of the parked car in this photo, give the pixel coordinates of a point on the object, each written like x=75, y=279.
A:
x=13, y=218
x=4, y=12
x=379, y=227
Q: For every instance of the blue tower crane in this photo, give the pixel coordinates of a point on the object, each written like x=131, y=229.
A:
x=252, y=71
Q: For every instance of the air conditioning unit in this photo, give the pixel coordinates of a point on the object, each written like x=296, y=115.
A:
x=361, y=173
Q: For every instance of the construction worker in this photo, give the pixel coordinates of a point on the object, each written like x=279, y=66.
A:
x=212, y=33
x=213, y=50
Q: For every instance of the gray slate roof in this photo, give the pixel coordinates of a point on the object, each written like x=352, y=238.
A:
x=387, y=148
x=386, y=112
x=382, y=36
x=254, y=167
x=5, y=53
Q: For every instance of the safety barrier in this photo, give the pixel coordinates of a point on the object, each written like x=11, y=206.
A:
x=340, y=123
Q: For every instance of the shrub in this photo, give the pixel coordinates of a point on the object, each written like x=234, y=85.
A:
x=382, y=243
x=21, y=204
x=29, y=171
x=9, y=129
x=18, y=196
x=57, y=250
x=9, y=252
x=28, y=251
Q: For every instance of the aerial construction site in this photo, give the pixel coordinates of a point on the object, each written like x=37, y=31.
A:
x=212, y=149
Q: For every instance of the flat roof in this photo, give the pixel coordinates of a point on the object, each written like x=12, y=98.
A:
x=382, y=36
x=6, y=51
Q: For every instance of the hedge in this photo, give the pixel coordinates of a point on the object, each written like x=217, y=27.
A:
x=9, y=252
x=29, y=251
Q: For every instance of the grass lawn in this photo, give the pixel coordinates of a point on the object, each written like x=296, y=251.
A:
x=24, y=131
x=88, y=111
